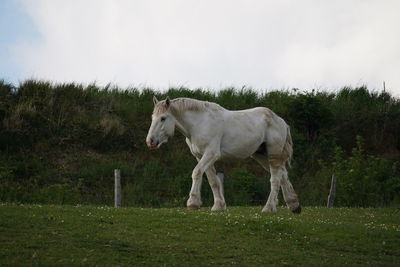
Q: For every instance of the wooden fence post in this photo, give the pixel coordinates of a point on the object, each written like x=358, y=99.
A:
x=332, y=192
x=117, y=188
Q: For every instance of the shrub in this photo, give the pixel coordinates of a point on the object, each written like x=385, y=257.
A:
x=364, y=180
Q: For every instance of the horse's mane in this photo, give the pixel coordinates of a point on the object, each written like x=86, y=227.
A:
x=183, y=104
x=180, y=105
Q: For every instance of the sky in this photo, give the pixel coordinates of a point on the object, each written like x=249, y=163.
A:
x=209, y=44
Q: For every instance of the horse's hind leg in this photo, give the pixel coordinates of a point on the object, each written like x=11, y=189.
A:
x=217, y=188
x=290, y=196
x=279, y=178
x=275, y=181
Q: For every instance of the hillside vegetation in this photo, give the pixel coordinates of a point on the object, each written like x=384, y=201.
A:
x=59, y=143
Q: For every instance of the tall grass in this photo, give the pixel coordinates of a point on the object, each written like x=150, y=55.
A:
x=68, y=138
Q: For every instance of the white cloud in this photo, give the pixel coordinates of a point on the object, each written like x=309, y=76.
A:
x=264, y=44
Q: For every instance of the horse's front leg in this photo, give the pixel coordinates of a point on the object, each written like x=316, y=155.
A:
x=207, y=160
x=217, y=187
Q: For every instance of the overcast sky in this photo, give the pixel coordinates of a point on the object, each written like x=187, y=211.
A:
x=203, y=43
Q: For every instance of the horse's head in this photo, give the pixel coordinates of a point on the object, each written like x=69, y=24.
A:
x=162, y=124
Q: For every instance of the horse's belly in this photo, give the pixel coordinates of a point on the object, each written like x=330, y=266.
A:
x=243, y=138
x=242, y=150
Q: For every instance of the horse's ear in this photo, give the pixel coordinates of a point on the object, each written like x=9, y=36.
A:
x=155, y=101
x=167, y=101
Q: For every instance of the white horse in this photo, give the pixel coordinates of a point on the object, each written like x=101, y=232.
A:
x=213, y=133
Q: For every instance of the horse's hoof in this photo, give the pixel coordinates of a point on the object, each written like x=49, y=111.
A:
x=297, y=210
x=193, y=207
x=269, y=209
x=218, y=208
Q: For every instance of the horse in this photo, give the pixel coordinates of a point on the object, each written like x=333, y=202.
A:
x=213, y=132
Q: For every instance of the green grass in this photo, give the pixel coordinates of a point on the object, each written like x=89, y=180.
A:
x=90, y=235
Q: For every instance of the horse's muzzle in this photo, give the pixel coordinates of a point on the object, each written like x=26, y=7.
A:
x=152, y=144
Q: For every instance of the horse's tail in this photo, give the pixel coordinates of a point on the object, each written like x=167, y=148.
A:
x=287, y=152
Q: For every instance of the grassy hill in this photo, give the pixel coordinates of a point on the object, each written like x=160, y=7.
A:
x=59, y=143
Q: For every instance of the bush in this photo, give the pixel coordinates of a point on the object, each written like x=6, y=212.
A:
x=364, y=180
x=244, y=188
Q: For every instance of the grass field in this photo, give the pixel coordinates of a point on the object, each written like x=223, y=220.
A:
x=90, y=235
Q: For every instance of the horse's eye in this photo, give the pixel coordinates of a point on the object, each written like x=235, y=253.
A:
x=163, y=118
